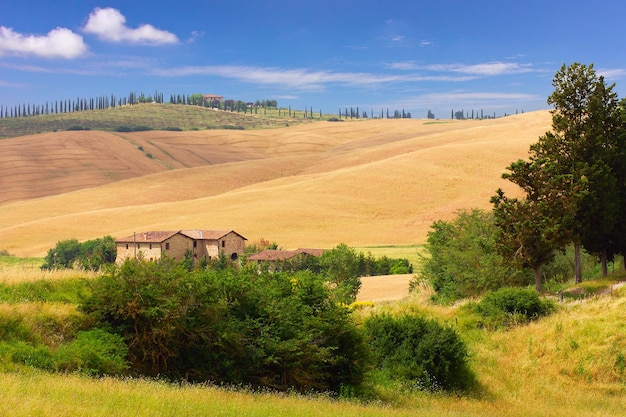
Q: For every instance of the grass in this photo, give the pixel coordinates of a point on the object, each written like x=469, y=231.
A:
x=17, y=270
x=571, y=363
x=153, y=116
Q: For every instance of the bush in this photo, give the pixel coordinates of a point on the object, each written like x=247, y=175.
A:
x=141, y=128
x=281, y=331
x=509, y=306
x=91, y=254
x=463, y=261
x=419, y=352
x=75, y=127
x=94, y=352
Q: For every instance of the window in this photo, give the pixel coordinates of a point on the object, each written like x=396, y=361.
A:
x=223, y=243
x=195, y=244
x=151, y=246
x=127, y=246
x=138, y=245
x=167, y=245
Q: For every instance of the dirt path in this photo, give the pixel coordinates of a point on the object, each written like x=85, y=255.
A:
x=384, y=288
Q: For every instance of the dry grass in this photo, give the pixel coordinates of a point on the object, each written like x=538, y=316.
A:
x=365, y=183
x=384, y=288
x=30, y=272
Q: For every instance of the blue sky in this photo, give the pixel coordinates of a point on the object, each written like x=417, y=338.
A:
x=499, y=56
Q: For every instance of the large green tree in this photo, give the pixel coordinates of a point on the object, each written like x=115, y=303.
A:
x=572, y=180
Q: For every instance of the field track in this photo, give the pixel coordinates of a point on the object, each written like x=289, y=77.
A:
x=367, y=182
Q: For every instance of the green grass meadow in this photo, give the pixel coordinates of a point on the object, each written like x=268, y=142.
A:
x=570, y=363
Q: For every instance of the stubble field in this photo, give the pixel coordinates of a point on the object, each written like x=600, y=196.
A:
x=363, y=183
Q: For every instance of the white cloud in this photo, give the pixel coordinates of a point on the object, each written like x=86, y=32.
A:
x=469, y=100
x=110, y=25
x=58, y=43
x=195, y=35
x=612, y=74
x=492, y=68
x=301, y=78
x=483, y=69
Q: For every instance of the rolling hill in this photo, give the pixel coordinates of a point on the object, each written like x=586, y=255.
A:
x=366, y=182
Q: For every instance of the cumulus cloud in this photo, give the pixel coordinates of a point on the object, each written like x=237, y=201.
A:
x=110, y=25
x=58, y=43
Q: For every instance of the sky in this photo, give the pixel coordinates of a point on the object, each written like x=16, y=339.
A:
x=498, y=56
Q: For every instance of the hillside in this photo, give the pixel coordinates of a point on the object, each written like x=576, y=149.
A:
x=141, y=116
x=367, y=182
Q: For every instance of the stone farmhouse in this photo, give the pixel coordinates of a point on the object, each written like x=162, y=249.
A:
x=207, y=244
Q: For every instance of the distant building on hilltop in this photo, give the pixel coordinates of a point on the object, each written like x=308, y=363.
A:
x=203, y=244
x=210, y=99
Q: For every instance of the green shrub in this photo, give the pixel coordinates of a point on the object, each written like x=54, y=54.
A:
x=123, y=129
x=21, y=352
x=141, y=128
x=76, y=127
x=94, y=352
x=13, y=328
x=418, y=352
x=509, y=306
x=91, y=254
x=281, y=331
x=173, y=129
x=463, y=261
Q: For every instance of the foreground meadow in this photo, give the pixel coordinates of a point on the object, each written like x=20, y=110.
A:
x=569, y=363
x=563, y=366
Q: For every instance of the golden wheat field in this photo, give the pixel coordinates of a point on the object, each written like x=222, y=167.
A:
x=366, y=182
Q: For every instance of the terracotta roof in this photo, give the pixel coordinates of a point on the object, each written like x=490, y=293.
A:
x=282, y=255
x=160, y=236
x=314, y=252
x=148, y=237
x=208, y=234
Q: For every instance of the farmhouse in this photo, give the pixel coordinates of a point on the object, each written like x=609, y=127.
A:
x=207, y=244
x=208, y=99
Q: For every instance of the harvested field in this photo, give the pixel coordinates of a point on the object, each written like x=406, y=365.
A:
x=384, y=288
x=363, y=183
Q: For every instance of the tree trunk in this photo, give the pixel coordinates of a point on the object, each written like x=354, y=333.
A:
x=538, y=279
x=578, y=267
x=604, y=262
